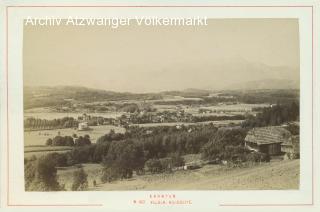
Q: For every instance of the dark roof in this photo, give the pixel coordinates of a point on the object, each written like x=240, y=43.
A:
x=268, y=135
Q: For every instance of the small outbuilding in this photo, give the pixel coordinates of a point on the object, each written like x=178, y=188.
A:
x=267, y=139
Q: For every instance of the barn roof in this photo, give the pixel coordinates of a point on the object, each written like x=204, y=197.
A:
x=268, y=135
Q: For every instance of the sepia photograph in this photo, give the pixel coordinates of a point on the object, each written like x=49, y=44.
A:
x=141, y=107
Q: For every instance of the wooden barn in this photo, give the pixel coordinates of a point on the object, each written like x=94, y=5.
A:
x=267, y=139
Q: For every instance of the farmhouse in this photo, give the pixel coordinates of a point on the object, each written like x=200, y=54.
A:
x=267, y=139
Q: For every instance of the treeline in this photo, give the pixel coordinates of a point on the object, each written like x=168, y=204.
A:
x=43, y=124
x=69, y=140
x=275, y=115
x=262, y=96
x=217, y=118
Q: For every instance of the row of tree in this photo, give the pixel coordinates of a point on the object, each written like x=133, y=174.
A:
x=41, y=124
x=69, y=141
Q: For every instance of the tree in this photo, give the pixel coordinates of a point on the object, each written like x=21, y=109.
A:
x=58, y=159
x=58, y=141
x=225, y=144
x=80, y=181
x=45, y=176
x=81, y=141
x=123, y=157
x=49, y=142
x=69, y=141
x=29, y=171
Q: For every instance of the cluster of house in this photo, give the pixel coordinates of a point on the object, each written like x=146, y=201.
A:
x=274, y=140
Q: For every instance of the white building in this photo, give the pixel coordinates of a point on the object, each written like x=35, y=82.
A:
x=83, y=126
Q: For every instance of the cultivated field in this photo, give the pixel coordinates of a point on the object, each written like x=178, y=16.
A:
x=40, y=137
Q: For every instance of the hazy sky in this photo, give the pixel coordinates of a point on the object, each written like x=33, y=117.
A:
x=147, y=59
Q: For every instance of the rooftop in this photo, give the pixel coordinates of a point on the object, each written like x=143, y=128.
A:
x=268, y=135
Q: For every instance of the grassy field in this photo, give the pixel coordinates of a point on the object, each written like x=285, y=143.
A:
x=40, y=137
x=268, y=176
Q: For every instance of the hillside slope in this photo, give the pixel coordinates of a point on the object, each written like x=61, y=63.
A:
x=275, y=175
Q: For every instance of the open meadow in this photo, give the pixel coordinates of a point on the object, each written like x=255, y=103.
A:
x=39, y=137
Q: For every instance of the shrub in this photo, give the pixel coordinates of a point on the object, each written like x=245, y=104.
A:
x=177, y=160
x=257, y=157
